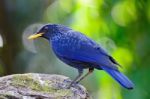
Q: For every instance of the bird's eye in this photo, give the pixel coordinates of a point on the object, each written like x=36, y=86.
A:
x=46, y=29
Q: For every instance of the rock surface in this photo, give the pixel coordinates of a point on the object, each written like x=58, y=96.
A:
x=40, y=86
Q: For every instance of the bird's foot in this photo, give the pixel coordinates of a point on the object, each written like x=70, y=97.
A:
x=72, y=84
x=69, y=83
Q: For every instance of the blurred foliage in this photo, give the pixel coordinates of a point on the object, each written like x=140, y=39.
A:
x=120, y=26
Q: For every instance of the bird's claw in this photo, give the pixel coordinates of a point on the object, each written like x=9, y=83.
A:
x=72, y=84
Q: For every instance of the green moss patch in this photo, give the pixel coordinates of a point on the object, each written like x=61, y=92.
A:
x=28, y=81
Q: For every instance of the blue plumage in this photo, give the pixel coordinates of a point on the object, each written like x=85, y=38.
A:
x=119, y=77
x=80, y=52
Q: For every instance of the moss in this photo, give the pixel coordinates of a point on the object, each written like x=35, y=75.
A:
x=64, y=92
x=28, y=81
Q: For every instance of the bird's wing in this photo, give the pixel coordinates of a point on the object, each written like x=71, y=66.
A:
x=74, y=45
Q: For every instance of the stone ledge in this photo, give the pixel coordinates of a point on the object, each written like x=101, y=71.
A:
x=40, y=86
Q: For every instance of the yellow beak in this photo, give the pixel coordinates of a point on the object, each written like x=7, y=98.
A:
x=34, y=36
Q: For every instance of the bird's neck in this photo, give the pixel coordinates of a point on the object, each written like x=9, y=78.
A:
x=55, y=36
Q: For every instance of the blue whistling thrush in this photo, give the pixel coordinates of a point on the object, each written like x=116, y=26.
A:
x=80, y=52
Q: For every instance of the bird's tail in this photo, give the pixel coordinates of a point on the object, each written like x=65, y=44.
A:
x=119, y=77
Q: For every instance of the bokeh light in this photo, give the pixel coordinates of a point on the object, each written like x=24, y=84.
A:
x=31, y=29
x=124, y=57
x=58, y=10
x=108, y=44
x=1, y=41
x=124, y=12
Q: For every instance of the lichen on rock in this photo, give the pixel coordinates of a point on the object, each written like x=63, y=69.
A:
x=40, y=86
x=30, y=82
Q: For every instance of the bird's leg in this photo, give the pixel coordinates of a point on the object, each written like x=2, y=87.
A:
x=89, y=72
x=80, y=71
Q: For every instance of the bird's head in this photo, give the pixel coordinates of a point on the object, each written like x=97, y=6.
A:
x=46, y=31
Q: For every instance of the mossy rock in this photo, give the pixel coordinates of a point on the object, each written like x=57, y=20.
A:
x=40, y=86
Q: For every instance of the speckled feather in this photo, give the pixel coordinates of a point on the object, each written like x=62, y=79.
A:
x=79, y=51
x=75, y=46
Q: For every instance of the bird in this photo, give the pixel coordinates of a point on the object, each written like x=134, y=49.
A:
x=79, y=51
